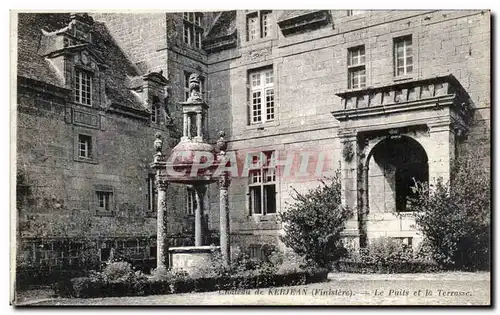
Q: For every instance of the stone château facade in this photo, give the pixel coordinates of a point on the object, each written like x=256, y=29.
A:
x=383, y=96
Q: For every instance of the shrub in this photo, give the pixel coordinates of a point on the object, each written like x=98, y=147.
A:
x=119, y=271
x=313, y=224
x=385, y=255
x=454, y=217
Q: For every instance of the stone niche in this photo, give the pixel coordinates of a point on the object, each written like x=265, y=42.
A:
x=191, y=258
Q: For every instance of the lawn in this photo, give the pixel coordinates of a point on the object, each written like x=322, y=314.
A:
x=452, y=288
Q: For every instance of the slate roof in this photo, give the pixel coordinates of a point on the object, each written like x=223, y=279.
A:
x=223, y=26
x=29, y=63
x=119, y=70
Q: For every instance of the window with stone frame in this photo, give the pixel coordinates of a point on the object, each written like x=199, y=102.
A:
x=104, y=201
x=356, y=67
x=152, y=194
x=186, y=85
x=192, y=29
x=190, y=201
x=85, y=147
x=81, y=31
x=403, y=56
x=261, y=96
x=83, y=87
x=262, y=185
x=355, y=12
x=155, y=114
x=259, y=24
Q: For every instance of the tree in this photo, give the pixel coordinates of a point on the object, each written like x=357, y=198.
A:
x=314, y=222
x=454, y=217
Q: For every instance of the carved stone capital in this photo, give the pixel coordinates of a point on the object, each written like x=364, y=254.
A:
x=161, y=183
x=224, y=181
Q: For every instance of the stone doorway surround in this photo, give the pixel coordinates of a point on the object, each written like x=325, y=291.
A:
x=434, y=112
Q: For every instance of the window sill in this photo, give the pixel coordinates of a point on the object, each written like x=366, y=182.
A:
x=403, y=78
x=249, y=43
x=85, y=160
x=270, y=217
x=105, y=213
x=262, y=126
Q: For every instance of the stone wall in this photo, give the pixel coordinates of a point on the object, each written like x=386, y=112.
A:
x=309, y=68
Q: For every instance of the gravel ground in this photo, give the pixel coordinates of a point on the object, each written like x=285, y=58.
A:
x=453, y=288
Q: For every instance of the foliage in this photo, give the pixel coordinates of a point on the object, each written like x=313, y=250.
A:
x=385, y=255
x=119, y=271
x=455, y=219
x=98, y=287
x=314, y=222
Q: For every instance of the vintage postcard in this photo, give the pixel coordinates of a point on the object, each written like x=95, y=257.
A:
x=251, y=157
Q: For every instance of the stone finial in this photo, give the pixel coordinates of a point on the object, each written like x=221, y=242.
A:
x=222, y=143
x=158, y=144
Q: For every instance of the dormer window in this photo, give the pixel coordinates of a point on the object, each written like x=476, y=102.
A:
x=83, y=87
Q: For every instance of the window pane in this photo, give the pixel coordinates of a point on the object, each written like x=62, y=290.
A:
x=255, y=79
x=269, y=104
x=252, y=27
x=256, y=106
x=186, y=34
x=270, y=198
x=255, y=200
x=255, y=177
x=269, y=175
x=266, y=25
x=269, y=76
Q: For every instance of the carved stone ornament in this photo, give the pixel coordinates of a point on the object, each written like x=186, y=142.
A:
x=194, y=87
x=348, y=151
x=258, y=53
x=224, y=181
x=158, y=144
x=161, y=183
x=222, y=143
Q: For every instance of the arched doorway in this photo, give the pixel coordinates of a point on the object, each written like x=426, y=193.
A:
x=394, y=165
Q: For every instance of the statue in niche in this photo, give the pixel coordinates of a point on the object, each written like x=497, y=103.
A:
x=194, y=87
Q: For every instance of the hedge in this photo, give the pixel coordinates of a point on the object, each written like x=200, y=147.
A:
x=402, y=267
x=87, y=287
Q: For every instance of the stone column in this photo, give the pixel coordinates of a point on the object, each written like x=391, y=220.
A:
x=188, y=134
x=349, y=179
x=441, y=151
x=185, y=126
x=198, y=125
x=161, y=235
x=198, y=215
x=225, y=229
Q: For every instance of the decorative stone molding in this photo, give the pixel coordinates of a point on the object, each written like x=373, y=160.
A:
x=303, y=21
x=220, y=43
x=430, y=93
x=348, y=151
x=259, y=53
x=224, y=181
x=161, y=183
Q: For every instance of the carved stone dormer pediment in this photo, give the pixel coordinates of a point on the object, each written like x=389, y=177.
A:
x=424, y=94
x=77, y=32
x=154, y=90
x=298, y=21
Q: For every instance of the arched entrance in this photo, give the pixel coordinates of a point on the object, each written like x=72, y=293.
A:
x=394, y=165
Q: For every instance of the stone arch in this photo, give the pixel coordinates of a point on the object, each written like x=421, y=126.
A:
x=393, y=164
